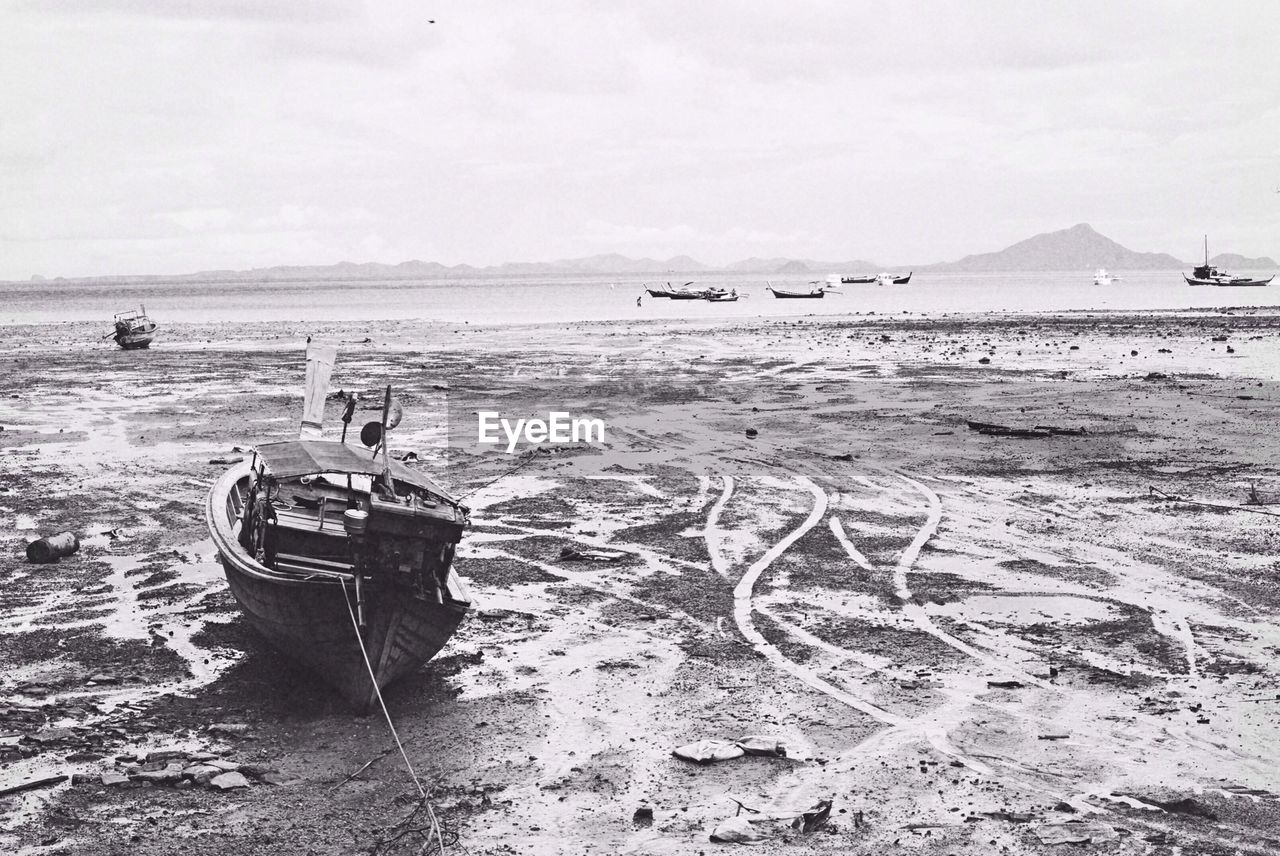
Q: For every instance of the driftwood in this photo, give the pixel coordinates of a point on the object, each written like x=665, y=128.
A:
x=994, y=430
x=33, y=784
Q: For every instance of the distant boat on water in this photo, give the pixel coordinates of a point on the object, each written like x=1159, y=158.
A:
x=133, y=330
x=1102, y=277
x=684, y=293
x=668, y=291
x=1207, y=274
x=857, y=280
x=815, y=294
x=893, y=279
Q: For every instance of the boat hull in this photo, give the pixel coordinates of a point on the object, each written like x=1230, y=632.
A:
x=1229, y=283
x=309, y=623
x=134, y=341
x=309, y=619
x=793, y=295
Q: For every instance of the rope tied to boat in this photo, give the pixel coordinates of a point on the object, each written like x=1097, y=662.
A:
x=526, y=457
x=433, y=826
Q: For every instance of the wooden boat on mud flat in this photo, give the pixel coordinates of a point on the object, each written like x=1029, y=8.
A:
x=857, y=280
x=133, y=330
x=339, y=558
x=664, y=292
x=1207, y=274
x=721, y=296
x=817, y=294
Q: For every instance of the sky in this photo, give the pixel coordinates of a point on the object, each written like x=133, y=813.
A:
x=172, y=136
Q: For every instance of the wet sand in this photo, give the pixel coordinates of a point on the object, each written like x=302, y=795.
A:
x=852, y=580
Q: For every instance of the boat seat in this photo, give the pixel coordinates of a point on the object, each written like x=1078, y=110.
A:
x=309, y=520
x=309, y=565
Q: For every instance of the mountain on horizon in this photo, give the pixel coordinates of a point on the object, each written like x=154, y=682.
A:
x=1235, y=261
x=1077, y=248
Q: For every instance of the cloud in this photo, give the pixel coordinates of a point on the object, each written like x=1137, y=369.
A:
x=199, y=10
x=234, y=133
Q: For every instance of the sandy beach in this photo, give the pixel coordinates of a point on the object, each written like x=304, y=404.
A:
x=967, y=642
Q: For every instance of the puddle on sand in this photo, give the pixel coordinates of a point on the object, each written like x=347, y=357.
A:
x=125, y=612
x=507, y=488
x=126, y=609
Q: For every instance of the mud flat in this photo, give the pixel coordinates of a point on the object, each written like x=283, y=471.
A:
x=969, y=643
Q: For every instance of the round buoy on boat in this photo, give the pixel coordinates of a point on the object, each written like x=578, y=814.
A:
x=371, y=433
x=752, y=433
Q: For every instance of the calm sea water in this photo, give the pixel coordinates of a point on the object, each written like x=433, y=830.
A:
x=580, y=298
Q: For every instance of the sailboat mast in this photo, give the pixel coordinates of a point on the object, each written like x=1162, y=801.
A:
x=1206, y=250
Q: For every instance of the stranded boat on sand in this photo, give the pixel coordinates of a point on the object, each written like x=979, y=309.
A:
x=133, y=330
x=1207, y=274
x=338, y=555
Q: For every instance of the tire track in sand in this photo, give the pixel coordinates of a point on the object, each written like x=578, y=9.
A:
x=931, y=727
x=713, y=529
x=911, y=609
x=742, y=609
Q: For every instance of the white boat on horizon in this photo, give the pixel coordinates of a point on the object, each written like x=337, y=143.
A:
x=1101, y=277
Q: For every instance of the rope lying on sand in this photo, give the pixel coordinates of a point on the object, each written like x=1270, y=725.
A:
x=1173, y=498
x=433, y=825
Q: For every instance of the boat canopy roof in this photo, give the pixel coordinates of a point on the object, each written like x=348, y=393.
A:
x=293, y=458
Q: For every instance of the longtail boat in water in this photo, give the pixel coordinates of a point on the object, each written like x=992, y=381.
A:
x=338, y=555
x=1207, y=274
x=815, y=294
x=133, y=330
